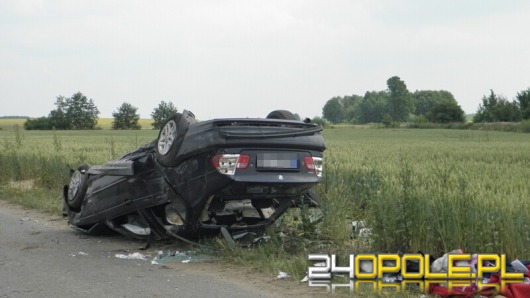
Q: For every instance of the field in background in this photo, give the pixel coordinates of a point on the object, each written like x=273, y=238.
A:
x=428, y=190
x=9, y=123
x=103, y=123
x=106, y=123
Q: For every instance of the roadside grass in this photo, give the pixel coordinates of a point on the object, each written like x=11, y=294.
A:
x=417, y=190
x=26, y=194
x=43, y=159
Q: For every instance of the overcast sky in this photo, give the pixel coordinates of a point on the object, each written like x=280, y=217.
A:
x=247, y=58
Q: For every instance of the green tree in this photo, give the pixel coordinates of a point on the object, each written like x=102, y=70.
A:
x=373, y=107
x=351, y=110
x=508, y=111
x=495, y=108
x=332, y=110
x=425, y=100
x=342, y=109
x=400, y=103
x=523, y=98
x=446, y=112
x=126, y=117
x=161, y=113
x=57, y=119
x=76, y=112
x=486, y=110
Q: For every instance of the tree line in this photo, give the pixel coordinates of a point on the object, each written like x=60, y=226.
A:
x=496, y=108
x=395, y=104
x=79, y=112
x=398, y=104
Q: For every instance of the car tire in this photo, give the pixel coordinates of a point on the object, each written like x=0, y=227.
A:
x=77, y=187
x=169, y=140
x=281, y=114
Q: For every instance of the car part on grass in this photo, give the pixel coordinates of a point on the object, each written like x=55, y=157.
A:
x=198, y=178
x=359, y=230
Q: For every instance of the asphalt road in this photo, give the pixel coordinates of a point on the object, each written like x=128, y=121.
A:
x=41, y=257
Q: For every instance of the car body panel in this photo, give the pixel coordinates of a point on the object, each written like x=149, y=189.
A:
x=139, y=195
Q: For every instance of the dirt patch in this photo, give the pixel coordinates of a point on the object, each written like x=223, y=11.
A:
x=22, y=185
x=25, y=214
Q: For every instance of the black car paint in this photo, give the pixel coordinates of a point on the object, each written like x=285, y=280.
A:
x=137, y=187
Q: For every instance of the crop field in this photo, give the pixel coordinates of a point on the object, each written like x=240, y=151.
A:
x=433, y=190
x=417, y=190
x=103, y=123
x=9, y=123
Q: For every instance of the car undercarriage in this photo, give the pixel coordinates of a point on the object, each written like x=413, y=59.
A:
x=229, y=175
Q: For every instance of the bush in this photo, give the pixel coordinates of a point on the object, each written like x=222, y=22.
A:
x=320, y=121
x=389, y=122
x=41, y=123
x=525, y=126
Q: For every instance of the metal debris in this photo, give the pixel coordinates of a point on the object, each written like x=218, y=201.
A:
x=182, y=257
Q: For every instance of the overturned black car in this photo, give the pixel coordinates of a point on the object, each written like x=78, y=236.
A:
x=221, y=174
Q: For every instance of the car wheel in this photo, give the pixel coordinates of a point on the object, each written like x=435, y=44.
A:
x=168, y=142
x=281, y=114
x=77, y=187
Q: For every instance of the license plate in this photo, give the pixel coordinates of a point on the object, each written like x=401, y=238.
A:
x=278, y=160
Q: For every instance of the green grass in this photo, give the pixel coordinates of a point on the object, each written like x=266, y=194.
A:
x=430, y=190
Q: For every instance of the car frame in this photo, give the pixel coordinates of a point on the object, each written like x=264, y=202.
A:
x=230, y=175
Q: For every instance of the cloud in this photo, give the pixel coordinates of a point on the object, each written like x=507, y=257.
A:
x=246, y=58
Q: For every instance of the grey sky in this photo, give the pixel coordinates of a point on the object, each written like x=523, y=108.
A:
x=246, y=58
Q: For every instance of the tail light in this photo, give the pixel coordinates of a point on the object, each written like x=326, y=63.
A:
x=319, y=166
x=314, y=164
x=228, y=163
x=309, y=164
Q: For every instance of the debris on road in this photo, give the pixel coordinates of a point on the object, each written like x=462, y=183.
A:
x=133, y=256
x=283, y=275
x=79, y=254
x=182, y=257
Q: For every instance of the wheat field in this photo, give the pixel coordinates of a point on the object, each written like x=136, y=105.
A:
x=417, y=190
